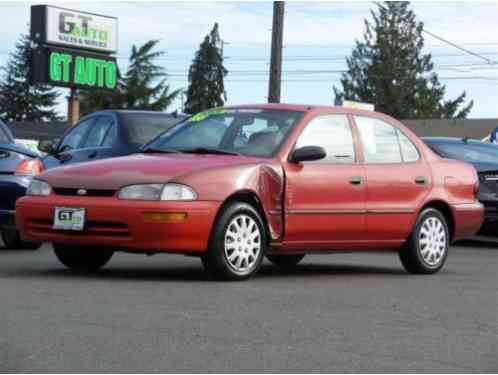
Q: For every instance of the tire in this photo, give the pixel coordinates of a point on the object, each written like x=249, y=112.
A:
x=82, y=258
x=285, y=261
x=426, y=249
x=237, y=245
x=12, y=241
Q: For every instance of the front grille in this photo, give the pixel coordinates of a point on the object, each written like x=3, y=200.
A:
x=89, y=192
x=93, y=228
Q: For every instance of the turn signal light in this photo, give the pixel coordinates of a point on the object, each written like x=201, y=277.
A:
x=165, y=217
x=30, y=167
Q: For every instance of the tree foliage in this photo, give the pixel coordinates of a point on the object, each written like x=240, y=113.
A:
x=19, y=100
x=206, y=75
x=390, y=70
x=144, y=85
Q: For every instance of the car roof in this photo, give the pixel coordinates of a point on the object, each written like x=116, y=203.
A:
x=134, y=111
x=308, y=108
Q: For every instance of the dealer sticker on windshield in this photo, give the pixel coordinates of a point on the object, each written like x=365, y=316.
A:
x=69, y=218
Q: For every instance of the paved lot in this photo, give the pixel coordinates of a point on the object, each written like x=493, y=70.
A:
x=334, y=313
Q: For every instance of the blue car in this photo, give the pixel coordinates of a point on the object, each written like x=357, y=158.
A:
x=16, y=166
x=100, y=135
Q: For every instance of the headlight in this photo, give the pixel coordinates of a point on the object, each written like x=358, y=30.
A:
x=178, y=192
x=39, y=187
x=156, y=192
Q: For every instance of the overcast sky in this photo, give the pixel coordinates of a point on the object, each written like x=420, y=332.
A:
x=317, y=37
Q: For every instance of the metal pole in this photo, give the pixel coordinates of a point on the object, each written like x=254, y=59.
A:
x=276, y=52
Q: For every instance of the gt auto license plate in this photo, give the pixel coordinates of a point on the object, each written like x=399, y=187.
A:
x=69, y=218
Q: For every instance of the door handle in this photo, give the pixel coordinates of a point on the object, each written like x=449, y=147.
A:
x=355, y=180
x=92, y=155
x=421, y=180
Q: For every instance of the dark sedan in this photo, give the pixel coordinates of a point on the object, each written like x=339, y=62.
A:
x=484, y=158
x=101, y=135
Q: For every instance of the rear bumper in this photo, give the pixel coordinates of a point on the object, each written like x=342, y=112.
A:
x=119, y=224
x=468, y=219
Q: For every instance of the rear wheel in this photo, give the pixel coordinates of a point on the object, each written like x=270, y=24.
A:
x=12, y=241
x=285, y=261
x=237, y=245
x=427, y=247
x=82, y=258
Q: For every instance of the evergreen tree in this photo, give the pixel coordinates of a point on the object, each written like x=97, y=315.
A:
x=206, y=87
x=389, y=69
x=144, y=86
x=19, y=100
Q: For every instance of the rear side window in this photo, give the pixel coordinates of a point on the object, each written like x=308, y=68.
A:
x=408, y=149
x=379, y=140
x=141, y=128
x=333, y=133
x=76, y=136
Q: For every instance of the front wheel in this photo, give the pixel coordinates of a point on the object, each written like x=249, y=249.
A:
x=237, y=245
x=12, y=241
x=82, y=258
x=426, y=249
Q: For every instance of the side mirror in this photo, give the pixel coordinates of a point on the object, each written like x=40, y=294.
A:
x=48, y=146
x=307, y=153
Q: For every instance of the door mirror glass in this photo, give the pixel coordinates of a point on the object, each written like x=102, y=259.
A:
x=308, y=153
x=48, y=146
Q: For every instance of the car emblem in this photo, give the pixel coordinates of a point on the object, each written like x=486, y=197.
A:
x=81, y=192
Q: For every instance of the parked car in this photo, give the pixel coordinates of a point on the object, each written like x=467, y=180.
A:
x=16, y=164
x=232, y=185
x=101, y=135
x=484, y=158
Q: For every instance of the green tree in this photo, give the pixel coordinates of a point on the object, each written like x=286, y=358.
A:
x=144, y=85
x=389, y=69
x=206, y=75
x=19, y=100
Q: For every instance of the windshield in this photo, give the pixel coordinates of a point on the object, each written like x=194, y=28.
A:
x=472, y=153
x=251, y=132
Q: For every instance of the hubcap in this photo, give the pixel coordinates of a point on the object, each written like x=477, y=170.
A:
x=242, y=243
x=432, y=241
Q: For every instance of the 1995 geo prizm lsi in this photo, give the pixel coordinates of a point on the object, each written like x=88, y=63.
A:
x=232, y=185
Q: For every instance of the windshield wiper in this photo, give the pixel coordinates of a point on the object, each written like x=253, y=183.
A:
x=206, y=150
x=151, y=150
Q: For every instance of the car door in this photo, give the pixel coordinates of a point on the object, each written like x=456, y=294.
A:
x=397, y=178
x=325, y=199
x=70, y=148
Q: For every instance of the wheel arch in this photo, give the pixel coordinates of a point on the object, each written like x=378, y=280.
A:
x=445, y=210
x=246, y=196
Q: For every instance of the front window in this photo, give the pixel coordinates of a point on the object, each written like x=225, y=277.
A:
x=251, y=132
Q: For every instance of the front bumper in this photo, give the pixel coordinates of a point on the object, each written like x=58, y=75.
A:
x=120, y=224
x=468, y=219
x=12, y=187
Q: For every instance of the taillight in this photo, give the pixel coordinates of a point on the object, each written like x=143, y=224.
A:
x=30, y=167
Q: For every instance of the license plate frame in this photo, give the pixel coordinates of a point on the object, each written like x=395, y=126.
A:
x=69, y=218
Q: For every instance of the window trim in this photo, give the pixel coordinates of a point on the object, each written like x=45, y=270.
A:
x=328, y=162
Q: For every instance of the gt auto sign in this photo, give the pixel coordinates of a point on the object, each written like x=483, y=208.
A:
x=70, y=28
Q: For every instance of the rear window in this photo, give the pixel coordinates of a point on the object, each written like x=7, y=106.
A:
x=141, y=128
x=472, y=153
x=4, y=134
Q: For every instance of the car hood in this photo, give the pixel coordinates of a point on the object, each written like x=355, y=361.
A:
x=112, y=174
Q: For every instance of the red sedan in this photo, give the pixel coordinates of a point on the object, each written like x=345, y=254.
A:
x=232, y=185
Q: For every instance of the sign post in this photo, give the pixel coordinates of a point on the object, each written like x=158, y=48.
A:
x=73, y=49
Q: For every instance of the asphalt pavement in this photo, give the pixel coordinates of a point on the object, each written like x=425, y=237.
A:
x=341, y=312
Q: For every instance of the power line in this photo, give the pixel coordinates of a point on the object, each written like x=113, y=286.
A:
x=489, y=61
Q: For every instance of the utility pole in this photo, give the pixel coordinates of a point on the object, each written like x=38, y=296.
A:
x=73, y=107
x=276, y=52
